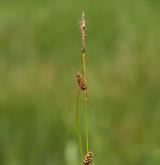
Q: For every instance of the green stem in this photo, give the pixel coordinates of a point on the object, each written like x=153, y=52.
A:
x=84, y=66
x=79, y=127
x=86, y=102
x=87, y=143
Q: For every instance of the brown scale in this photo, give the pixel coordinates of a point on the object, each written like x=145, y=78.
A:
x=88, y=158
x=81, y=83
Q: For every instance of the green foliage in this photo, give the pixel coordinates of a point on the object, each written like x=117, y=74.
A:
x=39, y=52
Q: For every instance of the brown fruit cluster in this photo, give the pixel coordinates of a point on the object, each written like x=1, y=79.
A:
x=81, y=83
x=88, y=158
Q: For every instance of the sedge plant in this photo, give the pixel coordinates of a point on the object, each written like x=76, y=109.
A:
x=86, y=154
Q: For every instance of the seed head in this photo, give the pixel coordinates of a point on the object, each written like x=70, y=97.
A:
x=83, y=35
x=80, y=81
x=88, y=158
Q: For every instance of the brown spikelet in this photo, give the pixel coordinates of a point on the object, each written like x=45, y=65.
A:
x=88, y=158
x=83, y=35
x=80, y=81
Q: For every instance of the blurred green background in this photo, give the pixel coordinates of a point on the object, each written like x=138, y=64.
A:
x=40, y=52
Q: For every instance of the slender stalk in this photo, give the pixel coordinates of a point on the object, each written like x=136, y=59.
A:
x=86, y=110
x=79, y=126
x=82, y=27
x=84, y=65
